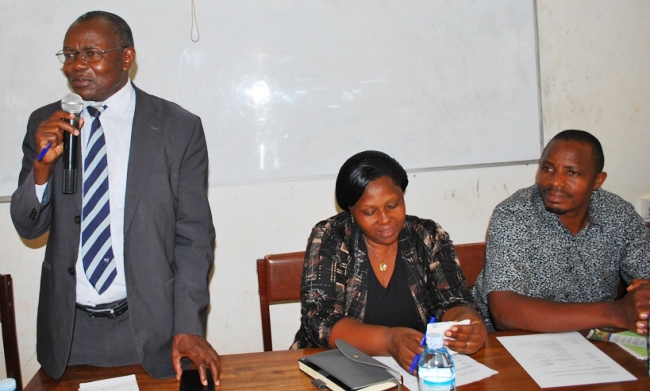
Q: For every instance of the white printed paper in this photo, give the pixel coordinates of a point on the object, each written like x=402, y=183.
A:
x=123, y=383
x=563, y=359
x=468, y=371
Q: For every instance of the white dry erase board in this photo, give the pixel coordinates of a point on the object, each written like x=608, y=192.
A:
x=289, y=89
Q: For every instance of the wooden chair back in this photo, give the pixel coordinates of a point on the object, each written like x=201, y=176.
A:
x=278, y=276
x=9, y=336
x=472, y=258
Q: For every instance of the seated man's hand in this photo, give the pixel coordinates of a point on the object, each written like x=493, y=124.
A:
x=636, y=283
x=636, y=306
x=200, y=352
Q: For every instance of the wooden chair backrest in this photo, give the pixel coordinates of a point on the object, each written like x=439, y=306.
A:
x=278, y=276
x=9, y=336
x=472, y=258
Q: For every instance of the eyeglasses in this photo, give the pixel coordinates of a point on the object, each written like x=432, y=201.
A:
x=89, y=55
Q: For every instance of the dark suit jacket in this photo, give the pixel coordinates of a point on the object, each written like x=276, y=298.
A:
x=168, y=236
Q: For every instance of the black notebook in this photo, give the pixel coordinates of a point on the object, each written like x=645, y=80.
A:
x=347, y=368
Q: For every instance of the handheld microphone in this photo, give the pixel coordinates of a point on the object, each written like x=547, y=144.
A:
x=71, y=103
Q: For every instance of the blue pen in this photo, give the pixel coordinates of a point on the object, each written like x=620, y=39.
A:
x=424, y=341
x=44, y=152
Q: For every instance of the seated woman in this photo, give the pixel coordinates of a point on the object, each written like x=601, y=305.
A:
x=373, y=276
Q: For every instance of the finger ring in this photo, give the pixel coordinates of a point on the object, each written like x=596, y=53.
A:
x=467, y=345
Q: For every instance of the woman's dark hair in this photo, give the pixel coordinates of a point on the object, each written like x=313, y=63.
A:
x=363, y=168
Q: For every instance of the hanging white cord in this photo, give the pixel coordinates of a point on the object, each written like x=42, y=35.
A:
x=194, y=22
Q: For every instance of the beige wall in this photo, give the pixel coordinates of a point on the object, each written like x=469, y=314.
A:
x=594, y=58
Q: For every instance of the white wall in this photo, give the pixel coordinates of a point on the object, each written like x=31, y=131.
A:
x=594, y=59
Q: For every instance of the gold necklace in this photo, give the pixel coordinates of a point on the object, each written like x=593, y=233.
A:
x=382, y=264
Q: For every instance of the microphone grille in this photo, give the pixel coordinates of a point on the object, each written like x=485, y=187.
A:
x=72, y=103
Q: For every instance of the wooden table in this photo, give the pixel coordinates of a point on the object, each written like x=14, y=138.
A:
x=279, y=371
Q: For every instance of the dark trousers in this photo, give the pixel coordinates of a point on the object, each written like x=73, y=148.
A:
x=103, y=342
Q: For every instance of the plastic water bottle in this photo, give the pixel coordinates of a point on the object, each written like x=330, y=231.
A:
x=436, y=370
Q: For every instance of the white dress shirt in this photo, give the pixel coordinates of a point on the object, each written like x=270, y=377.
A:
x=117, y=123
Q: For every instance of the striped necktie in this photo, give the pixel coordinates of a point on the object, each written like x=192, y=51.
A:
x=96, y=245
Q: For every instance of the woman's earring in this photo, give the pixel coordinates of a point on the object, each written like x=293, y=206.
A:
x=352, y=219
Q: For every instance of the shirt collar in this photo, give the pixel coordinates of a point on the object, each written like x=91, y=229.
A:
x=595, y=217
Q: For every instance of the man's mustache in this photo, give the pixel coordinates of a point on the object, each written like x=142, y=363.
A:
x=555, y=190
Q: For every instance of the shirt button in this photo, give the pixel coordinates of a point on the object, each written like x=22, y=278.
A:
x=77, y=219
x=71, y=271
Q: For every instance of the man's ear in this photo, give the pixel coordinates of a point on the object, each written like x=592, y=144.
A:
x=600, y=178
x=128, y=58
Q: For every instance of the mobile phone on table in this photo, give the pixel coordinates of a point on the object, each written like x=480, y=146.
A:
x=191, y=381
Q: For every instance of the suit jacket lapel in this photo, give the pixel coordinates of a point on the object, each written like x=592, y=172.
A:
x=145, y=140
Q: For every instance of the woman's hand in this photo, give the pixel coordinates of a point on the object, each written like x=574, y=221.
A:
x=468, y=338
x=403, y=344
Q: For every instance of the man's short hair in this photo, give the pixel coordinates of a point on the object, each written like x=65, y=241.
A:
x=584, y=138
x=119, y=26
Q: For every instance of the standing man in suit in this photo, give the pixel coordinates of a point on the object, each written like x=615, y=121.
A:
x=125, y=275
